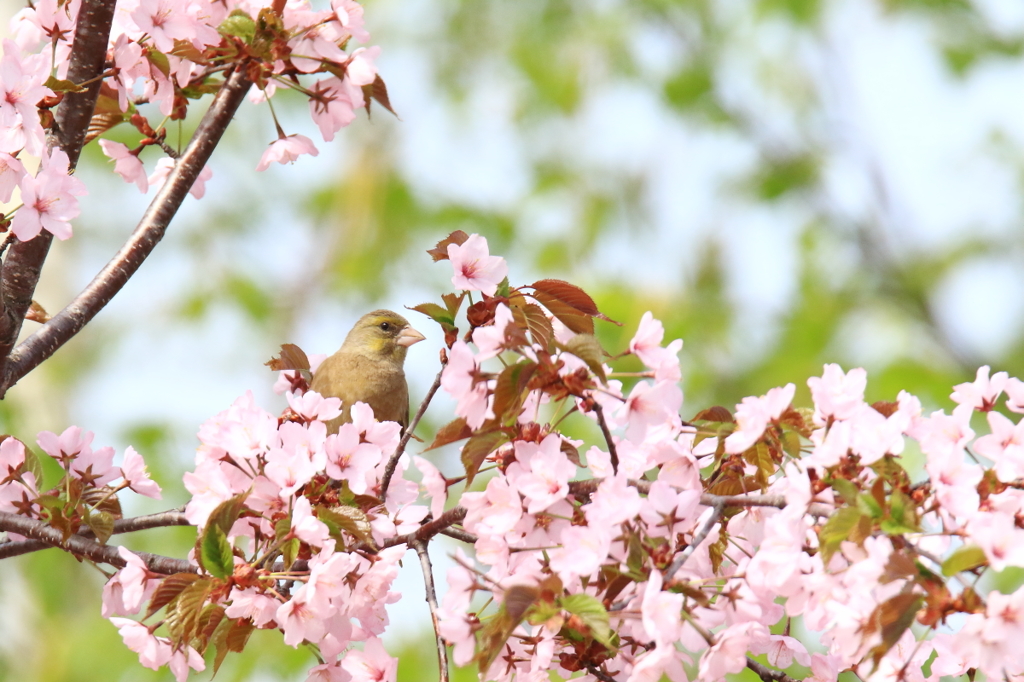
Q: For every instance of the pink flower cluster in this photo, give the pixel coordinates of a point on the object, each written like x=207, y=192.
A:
x=297, y=483
x=163, y=52
x=664, y=547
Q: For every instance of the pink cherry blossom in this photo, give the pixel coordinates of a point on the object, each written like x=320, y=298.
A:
x=315, y=39
x=646, y=345
x=165, y=21
x=49, y=200
x=12, y=456
x=133, y=469
x=153, y=651
x=652, y=406
x=458, y=380
x=11, y=173
x=332, y=105
x=286, y=150
x=372, y=664
x=490, y=339
x=163, y=169
x=127, y=165
x=350, y=14
x=21, y=88
x=475, y=268
x=754, y=414
x=541, y=472
x=1004, y=446
x=837, y=395
x=306, y=527
x=360, y=68
x=434, y=484
x=983, y=392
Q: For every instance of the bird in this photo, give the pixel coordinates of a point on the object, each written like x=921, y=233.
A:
x=369, y=367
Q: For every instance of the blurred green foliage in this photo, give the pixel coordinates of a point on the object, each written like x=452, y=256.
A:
x=371, y=218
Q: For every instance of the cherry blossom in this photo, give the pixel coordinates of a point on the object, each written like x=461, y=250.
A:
x=127, y=165
x=285, y=150
x=49, y=200
x=475, y=268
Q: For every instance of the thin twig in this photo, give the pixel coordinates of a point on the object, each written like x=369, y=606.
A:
x=428, y=586
x=430, y=529
x=589, y=487
x=174, y=517
x=133, y=253
x=389, y=469
x=612, y=452
x=459, y=534
x=593, y=670
x=766, y=673
x=84, y=547
x=702, y=534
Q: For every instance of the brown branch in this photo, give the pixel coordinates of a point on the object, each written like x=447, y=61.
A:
x=766, y=673
x=430, y=529
x=431, y=595
x=24, y=261
x=174, y=517
x=612, y=452
x=589, y=487
x=459, y=534
x=389, y=469
x=84, y=547
x=699, y=537
x=133, y=253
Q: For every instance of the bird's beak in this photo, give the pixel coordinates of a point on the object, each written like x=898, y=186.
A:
x=409, y=336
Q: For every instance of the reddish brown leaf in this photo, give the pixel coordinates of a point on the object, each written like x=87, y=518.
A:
x=440, y=252
x=168, y=590
x=291, y=357
x=451, y=432
x=715, y=414
x=571, y=317
x=377, y=91
x=570, y=294
x=476, y=449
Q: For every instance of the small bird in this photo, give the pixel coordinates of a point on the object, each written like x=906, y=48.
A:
x=368, y=368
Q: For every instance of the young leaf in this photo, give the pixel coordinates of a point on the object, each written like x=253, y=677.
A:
x=440, y=252
x=587, y=348
x=510, y=390
x=963, y=559
x=592, y=613
x=291, y=357
x=216, y=552
x=102, y=524
x=169, y=589
x=227, y=512
x=349, y=519
x=838, y=528
x=451, y=432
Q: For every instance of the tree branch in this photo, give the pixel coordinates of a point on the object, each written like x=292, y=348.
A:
x=174, y=517
x=84, y=547
x=699, y=537
x=24, y=261
x=428, y=586
x=613, y=454
x=389, y=469
x=144, y=239
x=766, y=673
x=429, y=530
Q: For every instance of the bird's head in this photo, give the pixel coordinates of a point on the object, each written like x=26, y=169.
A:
x=383, y=334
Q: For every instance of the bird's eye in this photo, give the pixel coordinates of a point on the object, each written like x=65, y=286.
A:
x=385, y=326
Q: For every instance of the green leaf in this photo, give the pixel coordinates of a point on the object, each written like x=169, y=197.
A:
x=841, y=526
x=869, y=505
x=216, y=552
x=593, y=614
x=58, y=85
x=102, y=524
x=434, y=312
x=349, y=519
x=290, y=552
x=587, y=348
x=964, y=559
x=184, y=619
x=238, y=24
x=846, y=489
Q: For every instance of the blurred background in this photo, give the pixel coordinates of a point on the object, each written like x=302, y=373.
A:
x=784, y=183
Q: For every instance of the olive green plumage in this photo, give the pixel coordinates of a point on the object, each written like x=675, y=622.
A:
x=369, y=368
